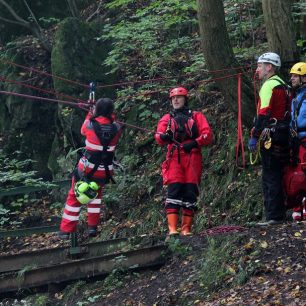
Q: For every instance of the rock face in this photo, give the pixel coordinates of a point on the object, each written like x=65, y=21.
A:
x=27, y=126
x=78, y=56
x=46, y=132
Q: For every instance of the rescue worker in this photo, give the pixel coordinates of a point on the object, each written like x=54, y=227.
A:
x=271, y=134
x=295, y=174
x=184, y=132
x=94, y=168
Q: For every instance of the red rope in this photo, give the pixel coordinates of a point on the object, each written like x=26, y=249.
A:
x=166, y=78
x=73, y=104
x=20, y=83
x=31, y=69
x=239, y=144
x=223, y=229
x=255, y=91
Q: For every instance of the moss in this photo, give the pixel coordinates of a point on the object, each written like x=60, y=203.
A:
x=78, y=56
x=27, y=126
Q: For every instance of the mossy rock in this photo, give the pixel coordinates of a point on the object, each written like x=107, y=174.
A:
x=77, y=56
x=26, y=125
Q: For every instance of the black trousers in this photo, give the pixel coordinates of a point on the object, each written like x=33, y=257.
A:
x=182, y=195
x=272, y=175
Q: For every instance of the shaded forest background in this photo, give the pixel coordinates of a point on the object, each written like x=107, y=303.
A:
x=148, y=47
x=144, y=48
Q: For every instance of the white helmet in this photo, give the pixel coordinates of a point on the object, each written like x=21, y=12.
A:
x=271, y=58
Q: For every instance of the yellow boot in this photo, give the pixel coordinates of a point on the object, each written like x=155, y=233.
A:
x=172, y=223
x=186, y=225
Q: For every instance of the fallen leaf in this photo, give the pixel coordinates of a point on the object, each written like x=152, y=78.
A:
x=264, y=244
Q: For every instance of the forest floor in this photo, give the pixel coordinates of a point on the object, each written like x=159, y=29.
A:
x=260, y=266
x=275, y=256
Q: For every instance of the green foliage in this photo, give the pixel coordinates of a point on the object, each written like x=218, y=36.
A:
x=16, y=173
x=47, y=22
x=177, y=247
x=213, y=269
x=72, y=291
x=242, y=19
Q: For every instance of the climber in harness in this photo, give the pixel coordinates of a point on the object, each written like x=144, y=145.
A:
x=184, y=132
x=270, y=135
x=295, y=173
x=94, y=169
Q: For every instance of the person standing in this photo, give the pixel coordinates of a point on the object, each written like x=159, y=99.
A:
x=94, y=169
x=295, y=173
x=271, y=134
x=184, y=132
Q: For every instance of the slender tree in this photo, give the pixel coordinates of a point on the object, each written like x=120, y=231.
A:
x=280, y=29
x=219, y=55
x=31, y=25
x=73, y=8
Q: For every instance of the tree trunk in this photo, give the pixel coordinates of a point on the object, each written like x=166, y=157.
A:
x=219, y=55
x=280, y=30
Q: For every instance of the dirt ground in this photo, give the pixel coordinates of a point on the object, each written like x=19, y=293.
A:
x=275, y=258
x=279, y=279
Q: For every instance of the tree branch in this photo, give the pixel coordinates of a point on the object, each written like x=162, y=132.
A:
x=14, y=14
x=32, y=26
x=15, y=22
x=73, y=8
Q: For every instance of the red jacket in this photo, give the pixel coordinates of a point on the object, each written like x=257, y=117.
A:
x=203, y=138
x=182, y=167
x=93, y=144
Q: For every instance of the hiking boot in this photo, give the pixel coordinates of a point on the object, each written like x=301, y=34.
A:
x=92, y=231
x=270, y=222
x=297, y=215
x=186, y=225
x=63, y=235
x=172, y=224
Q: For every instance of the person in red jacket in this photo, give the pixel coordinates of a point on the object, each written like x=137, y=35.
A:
x=184, y=132
x=94, y=169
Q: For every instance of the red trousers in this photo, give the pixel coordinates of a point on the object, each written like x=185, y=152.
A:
x=294, y=181
x=73, y=207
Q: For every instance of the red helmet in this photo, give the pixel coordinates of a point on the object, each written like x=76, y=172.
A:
x=179, y=91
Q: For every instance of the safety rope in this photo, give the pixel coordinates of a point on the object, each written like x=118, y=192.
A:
x=223, y=229
x=263, y=139
x=149, y=92
x=21, y=83
x=73, y=104
x=239, y=144
x=255, y=89
x=83, y=105
x=31, y=69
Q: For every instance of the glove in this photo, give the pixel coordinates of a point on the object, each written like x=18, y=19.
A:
x=253, y=144
x=187, y=147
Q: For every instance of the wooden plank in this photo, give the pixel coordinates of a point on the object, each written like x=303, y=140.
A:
x=82, y=269
x=58, y=255
x=29, y=189
x=22, y=232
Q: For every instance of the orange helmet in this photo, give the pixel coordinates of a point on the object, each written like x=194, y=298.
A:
x=179, y=91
